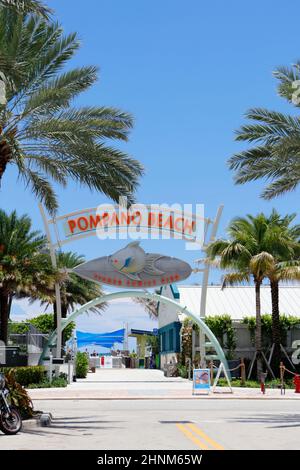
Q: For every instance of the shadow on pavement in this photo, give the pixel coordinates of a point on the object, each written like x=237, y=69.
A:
x=276, y=421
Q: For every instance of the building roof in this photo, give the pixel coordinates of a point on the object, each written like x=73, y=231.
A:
x=239, y=302
x=134, y=332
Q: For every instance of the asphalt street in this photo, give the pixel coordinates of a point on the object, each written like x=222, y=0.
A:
x=163, y=424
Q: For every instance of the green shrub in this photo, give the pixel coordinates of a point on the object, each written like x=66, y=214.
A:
x=254, y=383
x=58, y=382
x=221, y=325
x=183, y=372
x=18, y=396
x=19, y=328
x=45, y=324
x=27, y=375
x=286, y=323
x=82, y=365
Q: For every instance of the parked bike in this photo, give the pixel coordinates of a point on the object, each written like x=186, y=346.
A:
x=10, y=418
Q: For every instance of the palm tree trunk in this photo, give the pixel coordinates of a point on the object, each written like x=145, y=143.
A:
x=4, y=310
x=276, y=337
x=54, y=316
x=258, y=337
x=9, y=305
x=64, y=311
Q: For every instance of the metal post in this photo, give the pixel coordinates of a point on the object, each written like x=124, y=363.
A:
x=205, y=284
x=57, y=287
x=69, y=372
x=50, y=367
x=211, y=366
x=243, y=372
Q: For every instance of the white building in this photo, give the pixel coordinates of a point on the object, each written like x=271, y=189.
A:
x=238, y=302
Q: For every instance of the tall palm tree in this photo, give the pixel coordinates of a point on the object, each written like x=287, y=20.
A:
x=283, y=265
x=41, y=133
x=259, y=247
x=24, y=269
x=276, y=154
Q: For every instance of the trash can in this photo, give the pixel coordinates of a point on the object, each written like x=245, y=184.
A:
x=141, y=363
x=127, y=362
x=92, y=364
x=297, y=383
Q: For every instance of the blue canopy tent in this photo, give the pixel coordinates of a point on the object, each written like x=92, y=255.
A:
x=106, y=340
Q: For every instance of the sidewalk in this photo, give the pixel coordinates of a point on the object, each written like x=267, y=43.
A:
x=140, y=384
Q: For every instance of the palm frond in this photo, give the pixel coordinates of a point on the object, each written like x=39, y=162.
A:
x=235, y=278
x=42, y=189
x=28, y=6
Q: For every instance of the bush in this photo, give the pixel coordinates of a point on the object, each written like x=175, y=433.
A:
x=58, y=382
x=182, y=370
x=45, y=324
x=19, y=328
x=221, y=326
x=286, y=323
x=18, y=396
x=82, y=365
x=254, y=383
x=27, y=375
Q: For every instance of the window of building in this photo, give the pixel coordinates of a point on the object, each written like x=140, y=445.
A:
x=171, y=340
x=163, y=338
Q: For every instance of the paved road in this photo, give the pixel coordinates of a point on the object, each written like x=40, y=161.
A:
x=82, y=422
x=161, y=424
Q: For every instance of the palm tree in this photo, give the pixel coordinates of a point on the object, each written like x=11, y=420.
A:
x=259, y=247
x=276, y=136
x=41, y=133
x=74, y=290
x=24, y=269
x=283, y=265
x=150, y=306
x=28, y=6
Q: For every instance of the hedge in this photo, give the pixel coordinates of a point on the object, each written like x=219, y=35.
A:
x=27, y=375
x=81, y=365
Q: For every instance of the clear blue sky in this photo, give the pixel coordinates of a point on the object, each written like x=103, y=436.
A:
x=187, y=71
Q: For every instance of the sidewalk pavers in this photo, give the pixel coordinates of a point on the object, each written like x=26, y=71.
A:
x=140, y=384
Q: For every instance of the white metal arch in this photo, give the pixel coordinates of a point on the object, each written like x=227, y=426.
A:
x=145, y=295
x=210, y=231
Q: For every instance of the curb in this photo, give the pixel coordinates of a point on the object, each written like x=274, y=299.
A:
x=43, y=420
x=29, y=424
x=162, y=398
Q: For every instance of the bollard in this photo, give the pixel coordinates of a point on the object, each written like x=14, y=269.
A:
x=50, y=367
x=263, y=376
x=69, y=373
x=297, y=383
x=282, y=386
x=211, y=366
x=243, y=372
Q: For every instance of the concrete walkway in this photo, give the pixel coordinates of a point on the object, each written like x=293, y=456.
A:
x=140, y=384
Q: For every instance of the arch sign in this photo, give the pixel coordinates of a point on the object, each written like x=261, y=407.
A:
x=131, y=267
x=139, y=221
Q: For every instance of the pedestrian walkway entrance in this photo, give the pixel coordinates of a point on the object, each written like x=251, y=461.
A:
x=211, y=342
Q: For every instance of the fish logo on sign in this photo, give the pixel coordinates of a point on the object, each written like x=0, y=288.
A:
x=132, y=260
x=133, y=267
